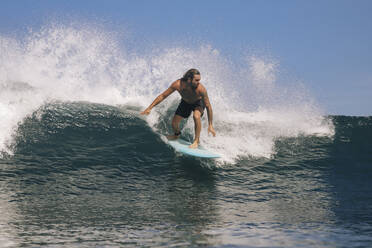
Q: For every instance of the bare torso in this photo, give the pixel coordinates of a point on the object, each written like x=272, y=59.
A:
x=191, y=91
x=187, y=93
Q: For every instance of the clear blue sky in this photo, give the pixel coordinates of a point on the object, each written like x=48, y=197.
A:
x=325, y=43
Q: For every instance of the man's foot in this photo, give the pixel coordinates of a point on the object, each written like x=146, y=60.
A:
x=194, y=145
x=172, y=137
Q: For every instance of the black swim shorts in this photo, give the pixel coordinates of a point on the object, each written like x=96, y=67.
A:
x=184, y=109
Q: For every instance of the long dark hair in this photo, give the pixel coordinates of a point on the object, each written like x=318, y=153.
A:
x=190, y=74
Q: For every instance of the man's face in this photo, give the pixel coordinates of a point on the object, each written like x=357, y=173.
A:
x=195, y=81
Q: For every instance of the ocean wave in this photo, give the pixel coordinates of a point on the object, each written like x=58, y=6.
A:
x=61, y=63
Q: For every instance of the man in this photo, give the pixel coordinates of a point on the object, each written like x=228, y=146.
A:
x=194, y=99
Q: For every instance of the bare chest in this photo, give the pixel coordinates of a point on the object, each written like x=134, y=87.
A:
x=189, y=95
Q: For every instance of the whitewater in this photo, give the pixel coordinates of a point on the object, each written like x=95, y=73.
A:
x=68, y=64
x=80, y=167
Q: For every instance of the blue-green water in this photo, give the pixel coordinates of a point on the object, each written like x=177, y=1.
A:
x=90, y=175
x=79, y=167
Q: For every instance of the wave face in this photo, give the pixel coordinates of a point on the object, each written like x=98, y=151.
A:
x=57, y=128
x=80, y=167
x=97, y=171
x=67, y=64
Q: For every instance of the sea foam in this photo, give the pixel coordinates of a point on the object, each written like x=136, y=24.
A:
x=251, y=109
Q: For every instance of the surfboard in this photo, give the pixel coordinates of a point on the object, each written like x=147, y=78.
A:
x=182, y=146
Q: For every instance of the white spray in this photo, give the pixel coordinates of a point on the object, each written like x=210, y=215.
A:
x=72, y=64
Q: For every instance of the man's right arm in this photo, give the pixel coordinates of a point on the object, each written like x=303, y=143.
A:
x=160, y=98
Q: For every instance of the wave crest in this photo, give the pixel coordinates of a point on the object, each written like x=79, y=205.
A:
x=62, y=63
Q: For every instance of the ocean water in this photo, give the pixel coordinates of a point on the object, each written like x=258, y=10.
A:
x=80, y=167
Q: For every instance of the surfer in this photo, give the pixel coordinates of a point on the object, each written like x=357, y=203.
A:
x=194, y=99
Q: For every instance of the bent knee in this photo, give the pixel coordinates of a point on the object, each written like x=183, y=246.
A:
x=197, y=114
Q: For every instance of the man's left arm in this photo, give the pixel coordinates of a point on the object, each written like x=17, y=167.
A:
x=209, y=111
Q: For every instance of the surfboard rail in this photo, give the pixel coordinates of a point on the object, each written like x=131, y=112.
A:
x=182, y=146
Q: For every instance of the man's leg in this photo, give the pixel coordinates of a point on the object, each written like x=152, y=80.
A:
x=176, y=127
x=197, y=123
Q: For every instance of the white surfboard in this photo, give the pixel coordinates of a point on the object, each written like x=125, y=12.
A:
x=182, y=146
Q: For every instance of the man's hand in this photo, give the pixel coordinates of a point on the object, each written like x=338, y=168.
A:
x=211, y=130
x=146, y=112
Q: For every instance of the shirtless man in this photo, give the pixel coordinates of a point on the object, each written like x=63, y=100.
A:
x=194, y=99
